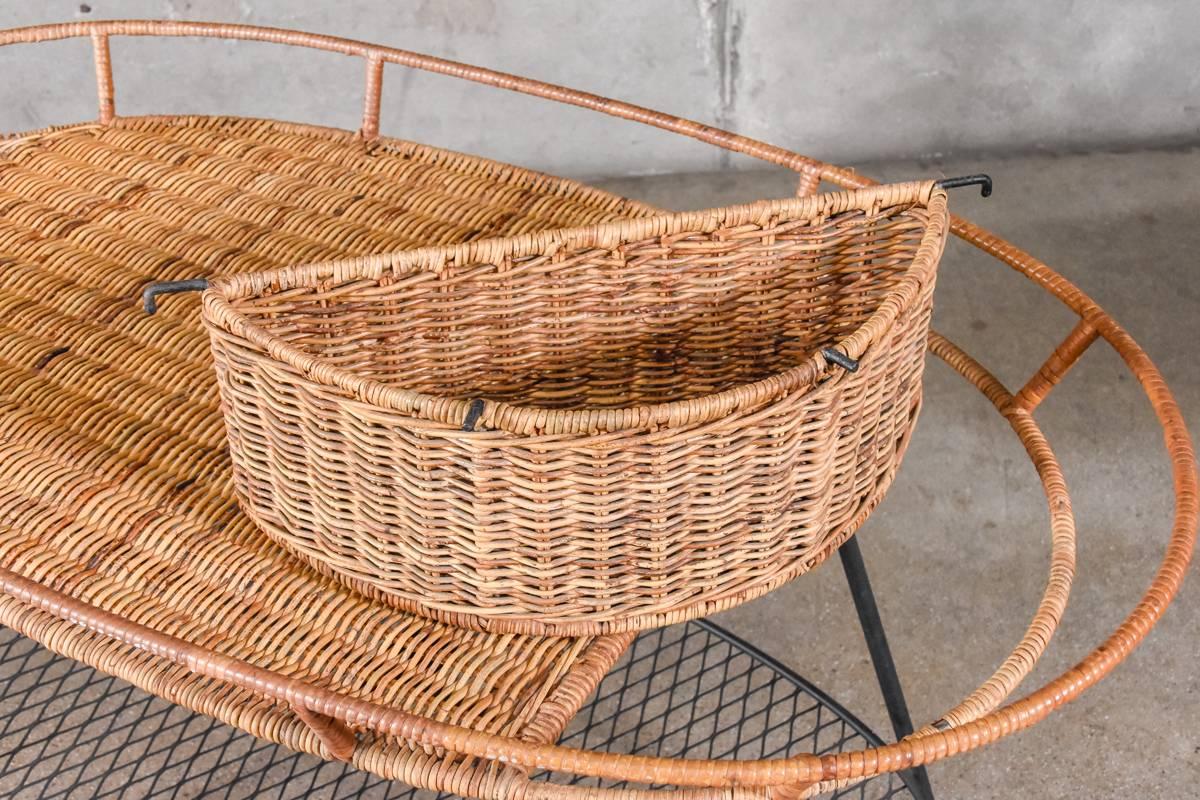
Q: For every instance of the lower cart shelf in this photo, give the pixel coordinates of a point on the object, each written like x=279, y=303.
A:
x=692, y=690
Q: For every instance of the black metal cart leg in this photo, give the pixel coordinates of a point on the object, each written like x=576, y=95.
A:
x=881, y=657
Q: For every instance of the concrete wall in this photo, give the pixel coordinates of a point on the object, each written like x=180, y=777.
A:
x=846, y=81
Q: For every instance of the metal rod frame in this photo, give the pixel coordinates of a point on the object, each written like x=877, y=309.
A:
x=859, y=581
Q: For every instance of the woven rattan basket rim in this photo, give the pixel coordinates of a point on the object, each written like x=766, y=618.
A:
x=500, y=418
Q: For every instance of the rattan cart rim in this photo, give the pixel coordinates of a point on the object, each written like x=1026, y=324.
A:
x=531, y=421
x=786, y=777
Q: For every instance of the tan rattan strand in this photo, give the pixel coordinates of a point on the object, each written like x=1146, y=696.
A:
x=661, y=436
x=96, y=635
x=114, y=482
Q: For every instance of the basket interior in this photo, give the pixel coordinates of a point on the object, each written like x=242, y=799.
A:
x=661, y=319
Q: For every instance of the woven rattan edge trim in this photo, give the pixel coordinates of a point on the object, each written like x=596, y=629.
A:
x=460, y=775
x=530, y=421
x=7, y=140
x=56, y=633
x=359, y=713
x=569, y=694
x=65, y=635
x=60, y=635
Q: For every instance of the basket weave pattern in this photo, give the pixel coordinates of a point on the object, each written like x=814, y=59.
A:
x=660, y=437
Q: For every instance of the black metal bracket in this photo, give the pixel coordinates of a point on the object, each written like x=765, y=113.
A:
x=984, y=182
x=150, y=293
x=916, y=778
x=474, y=412
x=835, y=356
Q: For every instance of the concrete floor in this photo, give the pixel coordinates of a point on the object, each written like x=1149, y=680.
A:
x=959, y=549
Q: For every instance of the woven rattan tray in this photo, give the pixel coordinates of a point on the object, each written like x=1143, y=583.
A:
x=114, y=482
x=121, y=544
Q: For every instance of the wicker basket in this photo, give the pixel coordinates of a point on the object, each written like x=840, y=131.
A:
x=587, y=430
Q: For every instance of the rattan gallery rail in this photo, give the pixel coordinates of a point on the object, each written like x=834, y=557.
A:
x=122, y=547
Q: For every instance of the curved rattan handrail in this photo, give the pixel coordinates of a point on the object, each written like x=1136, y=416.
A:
x=376, y=56
x=787, y=775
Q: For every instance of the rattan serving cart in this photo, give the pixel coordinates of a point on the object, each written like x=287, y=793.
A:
x=123, y=547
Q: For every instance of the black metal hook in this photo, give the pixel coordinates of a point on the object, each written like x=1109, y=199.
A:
x=474, y=412
x=835, y=356
x=150, y=293
x=980, y=180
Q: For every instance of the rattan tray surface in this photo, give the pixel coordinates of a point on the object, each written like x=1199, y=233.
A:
x=108, y=479
x=114, y=480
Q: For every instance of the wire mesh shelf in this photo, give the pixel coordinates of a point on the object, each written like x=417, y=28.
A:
x=692, y=690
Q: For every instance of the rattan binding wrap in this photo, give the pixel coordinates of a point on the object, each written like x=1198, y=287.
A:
x=653, y=432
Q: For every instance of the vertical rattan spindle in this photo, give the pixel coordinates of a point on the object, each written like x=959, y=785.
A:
x=809, y=183
x=104, y=80
x=1056, y=366
x=338, y=739
x=372, y=94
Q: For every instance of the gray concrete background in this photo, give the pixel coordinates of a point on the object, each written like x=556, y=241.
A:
x=842, y=81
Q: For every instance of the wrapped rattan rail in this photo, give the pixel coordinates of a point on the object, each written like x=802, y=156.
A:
x=980, y=720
